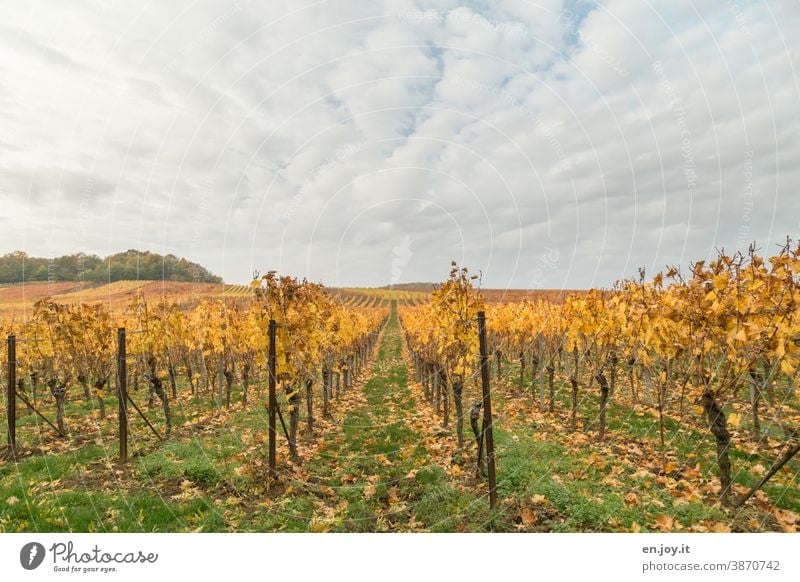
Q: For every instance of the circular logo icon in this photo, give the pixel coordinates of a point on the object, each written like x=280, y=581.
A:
x=31, y=555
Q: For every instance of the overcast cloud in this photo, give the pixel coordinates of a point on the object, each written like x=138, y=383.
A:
x=547, y=144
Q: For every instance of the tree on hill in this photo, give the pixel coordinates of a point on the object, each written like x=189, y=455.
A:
x=18, y=267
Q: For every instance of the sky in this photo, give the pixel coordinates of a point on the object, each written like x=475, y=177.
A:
x=545, y=144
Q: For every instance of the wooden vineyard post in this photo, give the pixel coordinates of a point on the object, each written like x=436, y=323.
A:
x=488, y=436
x=122, y=394
x=273, y=400
x=11, y=394
x=220, y=381
x=540, y=370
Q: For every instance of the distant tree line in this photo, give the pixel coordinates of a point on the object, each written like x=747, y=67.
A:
x=17, y=267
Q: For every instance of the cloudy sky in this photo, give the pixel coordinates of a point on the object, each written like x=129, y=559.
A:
x=548, y=144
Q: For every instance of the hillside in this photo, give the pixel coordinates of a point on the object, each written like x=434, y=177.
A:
x=16, y=301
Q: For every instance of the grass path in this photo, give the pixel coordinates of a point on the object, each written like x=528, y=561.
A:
x=380, y=471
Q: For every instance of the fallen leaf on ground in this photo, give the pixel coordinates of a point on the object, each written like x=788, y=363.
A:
x=528, y=516
x=665, y=523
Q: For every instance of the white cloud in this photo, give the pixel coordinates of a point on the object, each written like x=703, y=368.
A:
x=317, y=138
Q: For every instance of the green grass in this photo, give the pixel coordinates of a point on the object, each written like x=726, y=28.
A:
x=686, y=443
